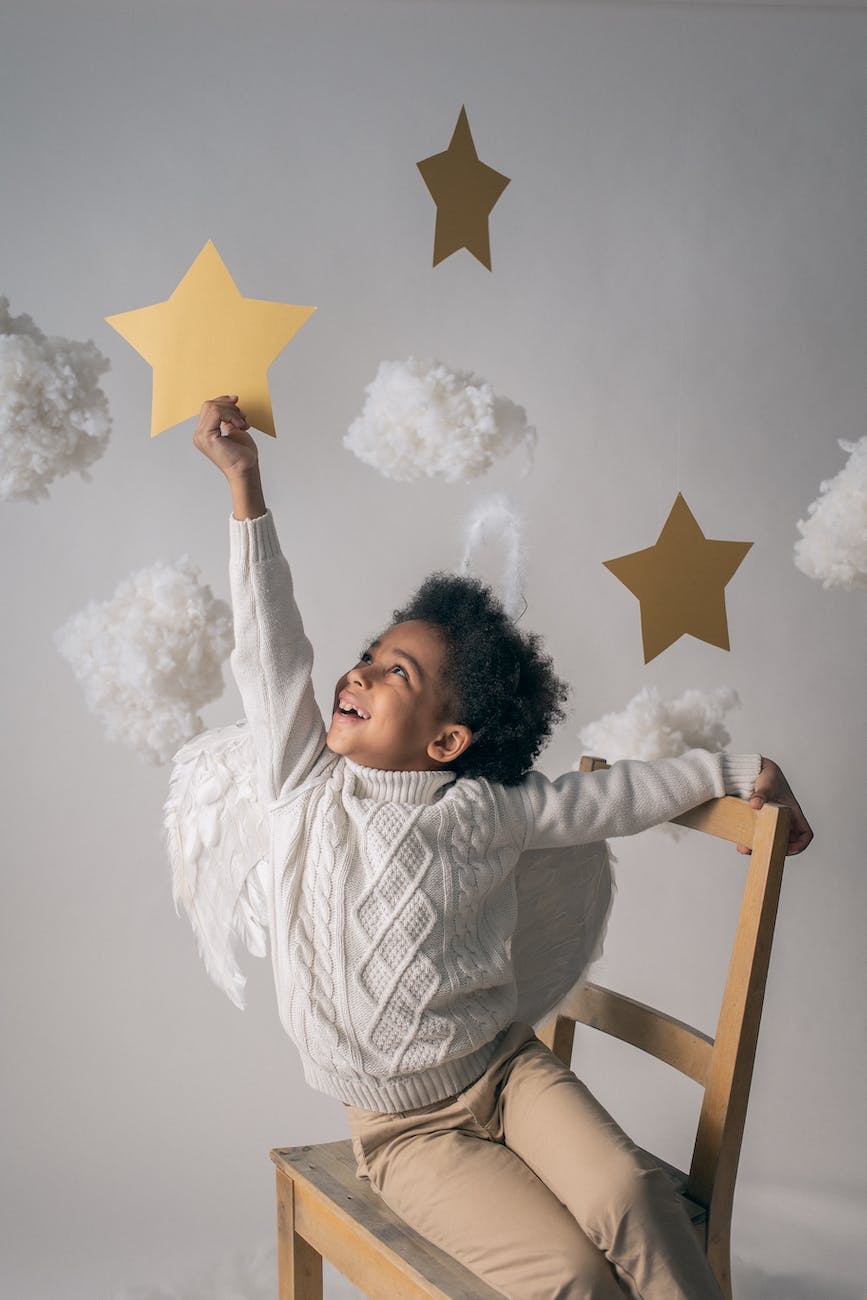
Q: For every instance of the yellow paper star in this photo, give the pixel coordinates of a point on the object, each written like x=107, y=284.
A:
x=206, y=339
x=464, y=190
x=680, y=583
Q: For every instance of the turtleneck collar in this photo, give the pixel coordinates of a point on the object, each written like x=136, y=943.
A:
x=398, y=787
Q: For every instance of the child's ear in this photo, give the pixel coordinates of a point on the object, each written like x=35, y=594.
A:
x=450, y=743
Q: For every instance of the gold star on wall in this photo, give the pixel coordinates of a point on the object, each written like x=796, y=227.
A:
x=464, y=191
x=680, y=583
x=207, y=339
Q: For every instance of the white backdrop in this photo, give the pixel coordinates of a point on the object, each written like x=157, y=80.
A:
x=679, y=300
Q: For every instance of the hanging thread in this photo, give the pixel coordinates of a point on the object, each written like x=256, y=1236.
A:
x=681, y=347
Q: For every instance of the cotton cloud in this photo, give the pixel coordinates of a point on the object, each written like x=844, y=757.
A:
x=150, y=657
x=421, y=419
x=53, y=414
x=833, y=545
x=652, y=727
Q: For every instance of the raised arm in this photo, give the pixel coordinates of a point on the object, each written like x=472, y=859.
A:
x=272, y=659
x=581, y=807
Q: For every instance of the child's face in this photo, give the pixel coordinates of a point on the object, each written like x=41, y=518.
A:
x=395, y=700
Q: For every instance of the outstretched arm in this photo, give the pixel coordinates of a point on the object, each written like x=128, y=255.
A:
x=631, y=795
x=272, y=658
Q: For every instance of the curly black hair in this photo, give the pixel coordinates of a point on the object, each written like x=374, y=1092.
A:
x=497, y=680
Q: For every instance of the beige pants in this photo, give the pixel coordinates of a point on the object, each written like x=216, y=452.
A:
x=533, y=1186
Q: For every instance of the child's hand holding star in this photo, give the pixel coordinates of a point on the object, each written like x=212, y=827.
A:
x=234, y=452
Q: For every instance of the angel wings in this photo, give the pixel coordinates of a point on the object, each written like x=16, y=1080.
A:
x=217, y=838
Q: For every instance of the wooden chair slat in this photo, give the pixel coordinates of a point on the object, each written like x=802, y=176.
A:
x=726, y=818
x=670, y=1040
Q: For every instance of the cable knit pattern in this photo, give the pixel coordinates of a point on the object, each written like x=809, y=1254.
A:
x=485, y=883
x=323, y=931
x=392, y=895
x=396, y=916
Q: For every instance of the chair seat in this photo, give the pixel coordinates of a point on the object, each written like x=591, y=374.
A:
x=347, y=1222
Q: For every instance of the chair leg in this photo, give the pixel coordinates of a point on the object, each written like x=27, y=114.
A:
x=719, y=1258
x=299, y=1266
x=558, y=1034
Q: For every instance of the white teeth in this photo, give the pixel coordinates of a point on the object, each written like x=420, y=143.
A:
x=350, y=708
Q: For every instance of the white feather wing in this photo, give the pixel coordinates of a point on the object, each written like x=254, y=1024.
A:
x=217, y=834
x=564, y=902
x=217, y=838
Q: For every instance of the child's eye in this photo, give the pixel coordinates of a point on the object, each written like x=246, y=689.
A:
x=399, y=668
x=364, y=657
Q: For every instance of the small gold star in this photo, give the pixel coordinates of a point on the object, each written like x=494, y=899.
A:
x=207, y=339
x=680, y=583
x=464, y=190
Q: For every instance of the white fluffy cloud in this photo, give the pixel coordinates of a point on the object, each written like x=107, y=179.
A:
x=421, y=419
x=833, y=545
x=652, y=727
x=151, y=656
x=53, y=414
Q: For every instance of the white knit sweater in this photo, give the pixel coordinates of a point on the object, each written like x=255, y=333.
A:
x=391, y=895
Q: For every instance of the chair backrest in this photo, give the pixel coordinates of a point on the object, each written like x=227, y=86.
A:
x=723, y=1065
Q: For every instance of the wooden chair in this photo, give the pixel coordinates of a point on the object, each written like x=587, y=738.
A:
x=324, y=1210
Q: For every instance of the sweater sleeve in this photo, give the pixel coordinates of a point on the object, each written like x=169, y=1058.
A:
x=582, y=807
x=272, y=659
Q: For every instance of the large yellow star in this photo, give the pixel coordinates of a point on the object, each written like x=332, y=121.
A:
x=464, y=190
x=206, y=339
x=680, y=583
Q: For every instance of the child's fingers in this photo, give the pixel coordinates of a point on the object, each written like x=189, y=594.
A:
x=231, y=412
x=226, y=403
x=800, y=831
x=236, y=418
x=222, y=406
x=215, y=413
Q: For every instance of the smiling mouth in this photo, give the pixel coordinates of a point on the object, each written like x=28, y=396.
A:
x=350, y=712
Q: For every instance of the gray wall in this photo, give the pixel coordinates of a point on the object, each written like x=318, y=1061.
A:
x=679, y=300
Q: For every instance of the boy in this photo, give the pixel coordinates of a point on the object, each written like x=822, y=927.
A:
x=394, y=838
